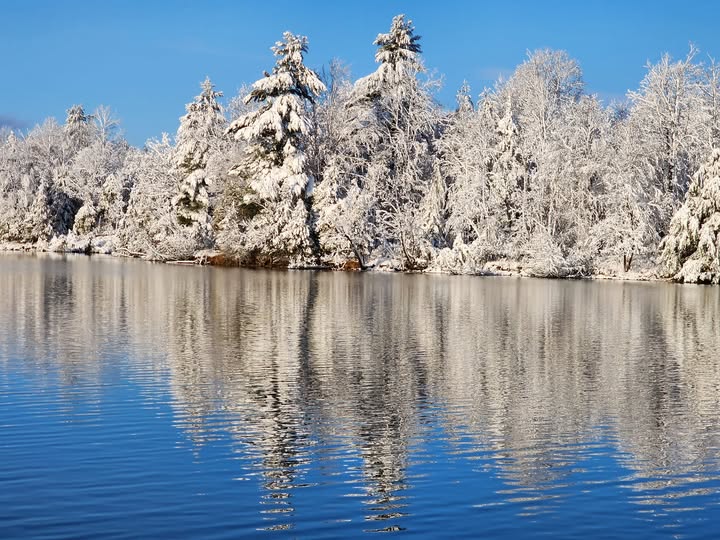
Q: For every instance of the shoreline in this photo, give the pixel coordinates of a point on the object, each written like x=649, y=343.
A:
x=502, y=268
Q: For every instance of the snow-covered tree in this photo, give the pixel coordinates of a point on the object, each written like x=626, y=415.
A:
x=98, y=153
x=478, y=158
x=236, y=107
x=51, y=200
x=106, y=124
x=398, y=54
x=561, y=144
x=463, y=150
x=88, y=178
x=667, y=118
x=276, y=219
x=507, y=176
x=14, y=198
x=582, y=168
x=518, y=166
x=78, y=127
x=149, y=227
x=710, y=98
x=374, y=186
x=113, y=200
x=198, y=135
x=463, y=100
x=691, y=250
x=624, y=230
x=331, y=120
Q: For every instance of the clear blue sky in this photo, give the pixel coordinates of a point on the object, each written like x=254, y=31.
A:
x=146, y=59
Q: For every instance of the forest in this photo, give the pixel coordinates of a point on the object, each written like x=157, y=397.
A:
x=302, y=169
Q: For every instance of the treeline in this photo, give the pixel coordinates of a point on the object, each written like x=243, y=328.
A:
x=309, y=170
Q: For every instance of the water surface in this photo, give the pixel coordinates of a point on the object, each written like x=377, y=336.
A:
x=142, y=400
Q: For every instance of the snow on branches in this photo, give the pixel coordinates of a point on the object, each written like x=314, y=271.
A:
x=275, y=164
x=533, y=174
x=691, y=251
x=199, y=129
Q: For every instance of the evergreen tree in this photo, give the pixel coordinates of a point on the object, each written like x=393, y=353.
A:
x=384, y=164
x=463, y=99
x=78, y=128
x=275, y=166
x=691, y=251
x=199, y=128
x=398, y=54
x=507, y=176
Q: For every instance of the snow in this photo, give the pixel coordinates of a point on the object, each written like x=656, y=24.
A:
x=533, y=177
x=691, y=252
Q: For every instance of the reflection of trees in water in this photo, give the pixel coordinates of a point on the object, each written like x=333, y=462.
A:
x=53, y=310
x=373, y=377
x=668, y=405
x=541, y=375
x=583, y=356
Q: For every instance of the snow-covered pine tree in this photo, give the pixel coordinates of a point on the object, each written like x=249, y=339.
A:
x=482, y=158
x=508, y=176
x=274, y=165
x=436, y=203
x=78, y=129
x=399, y=57
x=691, y=251
x=38, y=219
x=464, y=101
x=406, y=120
x=384, y=165
x=199, y=128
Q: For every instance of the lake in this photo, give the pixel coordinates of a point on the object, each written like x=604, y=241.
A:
x=157, y=401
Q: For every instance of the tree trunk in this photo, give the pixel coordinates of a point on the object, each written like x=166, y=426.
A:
x=627, y=262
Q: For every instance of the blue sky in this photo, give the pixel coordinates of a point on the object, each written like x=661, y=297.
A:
x=146, y=59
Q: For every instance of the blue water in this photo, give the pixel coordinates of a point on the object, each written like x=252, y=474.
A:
x=142, y=400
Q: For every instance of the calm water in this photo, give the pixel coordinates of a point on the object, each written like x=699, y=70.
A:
x=141, y=400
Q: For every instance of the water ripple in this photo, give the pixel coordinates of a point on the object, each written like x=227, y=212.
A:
x=142, y=400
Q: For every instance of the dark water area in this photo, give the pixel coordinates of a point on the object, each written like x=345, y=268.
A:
x=150, y=401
